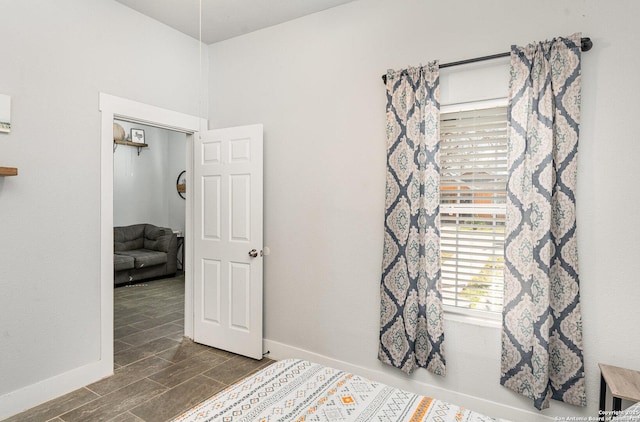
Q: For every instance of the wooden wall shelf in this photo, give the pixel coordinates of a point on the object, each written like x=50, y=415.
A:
x=131, y=144
x=8, y=171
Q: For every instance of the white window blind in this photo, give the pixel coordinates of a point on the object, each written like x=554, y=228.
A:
x=473, y=160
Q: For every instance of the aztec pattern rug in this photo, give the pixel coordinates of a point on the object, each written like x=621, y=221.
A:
x=297, y=390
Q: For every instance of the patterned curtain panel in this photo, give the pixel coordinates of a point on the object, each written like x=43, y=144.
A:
x=411, y=321
x=542, y=325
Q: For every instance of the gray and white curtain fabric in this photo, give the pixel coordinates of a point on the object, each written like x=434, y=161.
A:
x=411, y=320
x=542, y=326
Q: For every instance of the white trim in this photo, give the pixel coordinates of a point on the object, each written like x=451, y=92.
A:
x=279, y=351
x=188, y=241
x=122, y=108
x=32, y=395
x=133, y=111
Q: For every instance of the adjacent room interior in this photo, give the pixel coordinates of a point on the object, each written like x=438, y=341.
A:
x=149, y=188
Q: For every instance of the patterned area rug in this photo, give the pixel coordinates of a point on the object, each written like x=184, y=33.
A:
x=297, y=390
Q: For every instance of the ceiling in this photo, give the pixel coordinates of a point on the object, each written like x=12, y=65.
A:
x=224, y=19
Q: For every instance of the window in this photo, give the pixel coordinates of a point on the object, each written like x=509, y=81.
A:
x=473, y=177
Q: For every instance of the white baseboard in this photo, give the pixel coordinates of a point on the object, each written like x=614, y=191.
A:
x=35, y=394
x=279, y=351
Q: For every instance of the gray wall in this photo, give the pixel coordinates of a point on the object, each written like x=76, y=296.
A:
x=322, y=103
x=321, y=100
x=57, y=58
x=144, y=185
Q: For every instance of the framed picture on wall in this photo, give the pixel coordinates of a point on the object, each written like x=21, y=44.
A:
x=137, y=135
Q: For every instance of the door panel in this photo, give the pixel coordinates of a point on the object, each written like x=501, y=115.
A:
x=240, y=287
x=227, y=226
x=211, y=198
x=240, y=187
x=211, y=290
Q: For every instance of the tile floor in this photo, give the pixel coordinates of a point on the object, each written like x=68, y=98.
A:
x=158, y=373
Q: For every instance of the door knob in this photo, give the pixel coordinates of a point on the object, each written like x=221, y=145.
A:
x=253, y=253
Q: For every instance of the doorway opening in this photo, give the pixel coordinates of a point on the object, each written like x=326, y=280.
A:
x=149, y=215
x=116, y=108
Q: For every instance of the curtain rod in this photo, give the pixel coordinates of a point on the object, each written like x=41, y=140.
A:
x=585, y=45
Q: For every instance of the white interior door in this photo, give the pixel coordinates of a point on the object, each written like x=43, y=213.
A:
x=228, y=239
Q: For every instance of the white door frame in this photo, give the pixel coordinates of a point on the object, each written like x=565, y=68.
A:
x=115, y=107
